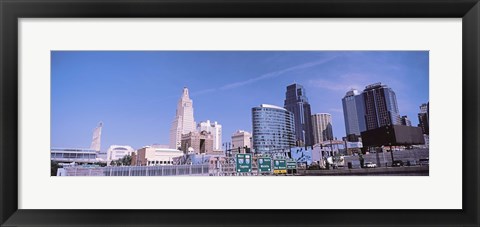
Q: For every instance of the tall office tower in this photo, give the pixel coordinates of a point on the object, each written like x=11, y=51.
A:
x=354, y=112
x=273, y=129
x=322, y=127
x=406, y=121
x=423, y=119
x=241, y=139
x=381, y=107
x=215, y=129
x=296, y=102
x=96, y=138
x=183, y=122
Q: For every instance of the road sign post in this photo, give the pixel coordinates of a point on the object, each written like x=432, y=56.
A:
x=292, y=166
x=243, y=163
x=279, y=166
x=264, y=164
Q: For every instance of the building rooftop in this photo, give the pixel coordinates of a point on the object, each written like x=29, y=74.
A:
x=272, y=106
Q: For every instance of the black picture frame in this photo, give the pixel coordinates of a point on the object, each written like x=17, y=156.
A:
x=12, y=10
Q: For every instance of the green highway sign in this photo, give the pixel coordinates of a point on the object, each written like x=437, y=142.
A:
x=291, y=165
x=243, y=163
x=264, y=165
x=279, y=164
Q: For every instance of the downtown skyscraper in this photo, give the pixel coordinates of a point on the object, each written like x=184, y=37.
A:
x=183, y=122
x=296, y=102
x=322, y=127
x=354, y=112
x=381, y=107
x=273, y=129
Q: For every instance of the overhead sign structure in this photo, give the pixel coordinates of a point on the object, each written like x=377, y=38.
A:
x=264, y=164
x=244, y=163
x=279, y=166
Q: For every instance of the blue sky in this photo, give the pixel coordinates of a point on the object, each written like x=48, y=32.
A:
x=135, y=93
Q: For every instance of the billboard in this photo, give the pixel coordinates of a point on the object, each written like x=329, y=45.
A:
x=302, y=154
x=392, y=136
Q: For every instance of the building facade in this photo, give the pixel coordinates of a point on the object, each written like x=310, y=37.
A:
x=215, y=129
x=152, y=156
x=116, y=152
x=322, y=127
x=197, y=142
x=381, y=107
x=297, y=103
x=273, y=129
x=241, y=139
x=77, y=155
x=406, y=121
x=184, y=121
x=354, y=112
x=423, y=118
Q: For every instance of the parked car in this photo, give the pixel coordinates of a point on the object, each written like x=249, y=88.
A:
x=424, y=162
x=370, y=165
x=411, y=163
x=397, y=163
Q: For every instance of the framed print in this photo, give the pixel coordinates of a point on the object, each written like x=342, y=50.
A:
x=239, y=113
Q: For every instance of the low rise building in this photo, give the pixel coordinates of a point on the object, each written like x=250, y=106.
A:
x=241, y=139
x=197, y=142
x=152, y=156
x=77, y=155
x=116, y=152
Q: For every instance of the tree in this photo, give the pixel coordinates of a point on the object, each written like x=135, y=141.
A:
x=53, y=168
x=125, y=161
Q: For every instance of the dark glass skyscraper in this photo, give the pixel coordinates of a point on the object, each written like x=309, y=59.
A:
x=381, y=107
x=423, y=118
x=296, y=102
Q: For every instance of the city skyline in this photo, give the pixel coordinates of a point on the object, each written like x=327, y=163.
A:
x=136, y=92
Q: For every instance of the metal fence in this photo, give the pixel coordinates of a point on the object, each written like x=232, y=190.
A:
x=167, y=170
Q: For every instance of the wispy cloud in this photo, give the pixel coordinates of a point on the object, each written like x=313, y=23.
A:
x=336, y=110
x=345, y=82
x=267, y=75
x=333, y=85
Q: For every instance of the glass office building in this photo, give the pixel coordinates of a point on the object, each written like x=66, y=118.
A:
x=296, y=102
x=354, y=112
x=273, y=129
x=381, y=107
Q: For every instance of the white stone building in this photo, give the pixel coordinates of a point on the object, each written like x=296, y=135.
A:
x=184, y=121
x=241, y=139
x=215, y=129
x=116, y=152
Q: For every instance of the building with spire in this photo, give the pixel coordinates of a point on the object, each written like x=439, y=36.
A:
x=297, y=103
x=184, y=122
